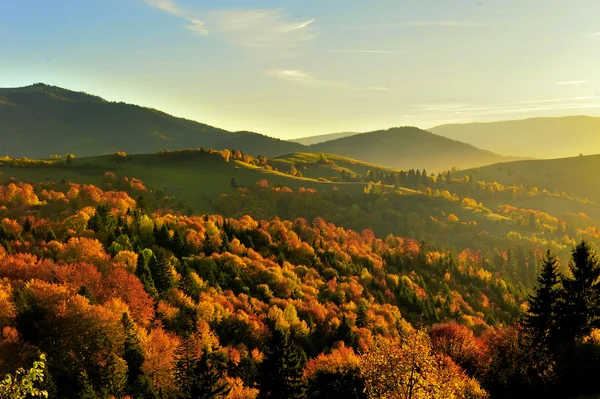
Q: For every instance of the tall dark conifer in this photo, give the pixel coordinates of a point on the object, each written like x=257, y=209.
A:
x=200, y=372
x=541, y=320
x=579, y=312
x=281, y=373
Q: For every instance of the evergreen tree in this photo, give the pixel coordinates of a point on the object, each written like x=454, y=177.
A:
x=142, y=271
x=133, y=353
x=162, y=236
x=361, y=315
x=345, y=333
x=282, y=371
x=162, y=270
x=178, y=245
x=27, y=225
x=541, y=320
x=580, y=297
x=200, y=372
x=141, y=205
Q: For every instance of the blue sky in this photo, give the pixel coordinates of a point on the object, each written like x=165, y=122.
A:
x=306, y=67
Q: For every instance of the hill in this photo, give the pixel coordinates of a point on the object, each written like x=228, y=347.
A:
x=576, y=176
x=322, y=138
x=448, y=210
x=561, y=137
x=409, y=147
x=40, y=120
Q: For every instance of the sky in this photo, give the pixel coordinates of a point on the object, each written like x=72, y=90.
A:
x=295, y=68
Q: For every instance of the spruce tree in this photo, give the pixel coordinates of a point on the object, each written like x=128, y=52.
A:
x=282, y=371
x=161, y=270
x=541, y=321
x=200, y=372
x=133, y=352
x=580, y=297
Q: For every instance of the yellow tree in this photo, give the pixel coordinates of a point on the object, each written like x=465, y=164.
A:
x=410, y=369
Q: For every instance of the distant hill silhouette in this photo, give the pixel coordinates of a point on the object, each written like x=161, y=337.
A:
x=323, y=138
x=409, y=147
x=40, y=120
x=561, y=137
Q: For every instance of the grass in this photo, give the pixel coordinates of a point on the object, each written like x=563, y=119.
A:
x=192, y=179
x=576, y=176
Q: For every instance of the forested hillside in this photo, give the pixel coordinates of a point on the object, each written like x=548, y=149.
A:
x=330, y=268
x=40, y=120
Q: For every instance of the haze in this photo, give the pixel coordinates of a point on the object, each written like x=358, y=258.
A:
x=291, y=69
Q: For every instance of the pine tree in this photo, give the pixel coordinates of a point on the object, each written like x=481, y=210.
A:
x=282, y=371
x=200, y=372
x=178, y=245
x=142, y=271
x=133, y=352
x=362, y=320
x=580, y=297
x=161, y=270
x=541, y=320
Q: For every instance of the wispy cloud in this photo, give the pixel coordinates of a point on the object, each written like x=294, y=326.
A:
x=261, y=28
x=516, y=107
x=171, y=7
x=268, y=28
x=442, y=24
x=308, y=79
x=388, y=52
x=571, y=82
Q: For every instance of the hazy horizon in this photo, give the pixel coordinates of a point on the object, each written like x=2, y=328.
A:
x=293, y=70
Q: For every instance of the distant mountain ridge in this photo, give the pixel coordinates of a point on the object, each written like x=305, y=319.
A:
x=561, y=136
x=409, y=147
x=310, y=140
x=40, y=120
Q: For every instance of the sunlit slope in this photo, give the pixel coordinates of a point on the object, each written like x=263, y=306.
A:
x=326, y=166
x=409, y=147
x=192, y=179
x=577, y=176
x=531, y=138
x=198, y=178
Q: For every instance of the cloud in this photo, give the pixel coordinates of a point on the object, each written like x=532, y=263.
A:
x=171, y=7
x=308, y=79
x=370, y=52
x=166, y=5
x=442, y=24
x=293, y=74
x=261, y=28
x=571, y=82
x=268, y=28
x=516, y=107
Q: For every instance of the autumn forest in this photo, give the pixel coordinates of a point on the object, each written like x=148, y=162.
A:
x=231, y=269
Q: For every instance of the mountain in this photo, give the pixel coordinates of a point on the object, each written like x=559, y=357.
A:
x=561, y=137
x=40, y=120
x=409, y=147
x=322, y=138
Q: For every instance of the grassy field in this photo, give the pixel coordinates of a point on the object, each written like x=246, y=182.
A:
x=192, y=179
x=310, y=166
